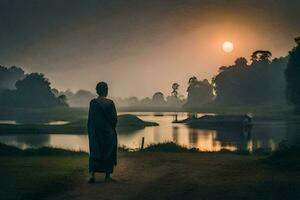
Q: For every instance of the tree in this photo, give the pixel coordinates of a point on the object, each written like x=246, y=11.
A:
x=62, y=98
x=173, y=100
x=292, y=74
x=55, y=92
x=35, y=91
x=131, y=101
x=34, y=82
x=199, y=92
x=146, y=101
x=193, y=80
x=241, y=62
x=9, y=76
x=261, y=82
x=81, y=98
x=261, y=55
x=175, y=87
x=158, y=99
x=297, y=40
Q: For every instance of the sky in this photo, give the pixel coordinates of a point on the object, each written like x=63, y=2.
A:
x=138, y=46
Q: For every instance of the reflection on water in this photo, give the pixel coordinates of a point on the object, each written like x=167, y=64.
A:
x=26, y=141
x=57, y=122
x=8, y=122
x=263, y=135
x=35, y=122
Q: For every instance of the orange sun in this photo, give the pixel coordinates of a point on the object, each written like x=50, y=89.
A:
x=227, y=46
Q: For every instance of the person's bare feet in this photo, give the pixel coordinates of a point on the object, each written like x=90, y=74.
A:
x=91, y=180
x=109, y=179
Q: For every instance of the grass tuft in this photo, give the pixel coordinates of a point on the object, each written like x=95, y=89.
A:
x=169, y=147
x=6, y=150
x=285, y=157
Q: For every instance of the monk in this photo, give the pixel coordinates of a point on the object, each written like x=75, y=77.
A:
x=102, y=121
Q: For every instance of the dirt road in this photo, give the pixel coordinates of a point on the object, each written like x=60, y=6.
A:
x=189, y=176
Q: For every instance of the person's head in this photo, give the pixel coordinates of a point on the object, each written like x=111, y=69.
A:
x=102, y=89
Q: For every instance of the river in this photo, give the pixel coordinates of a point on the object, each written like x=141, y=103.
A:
x=264, y=135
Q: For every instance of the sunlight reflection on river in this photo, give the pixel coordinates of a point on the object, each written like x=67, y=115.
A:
x=265, y=136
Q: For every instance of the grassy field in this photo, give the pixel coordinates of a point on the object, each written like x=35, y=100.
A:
x=34, y=177
x=181, y=174
x=36, y=173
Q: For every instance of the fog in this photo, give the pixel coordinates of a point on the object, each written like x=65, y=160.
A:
x=139, y=47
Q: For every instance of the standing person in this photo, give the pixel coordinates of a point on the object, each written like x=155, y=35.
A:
x=102, y=121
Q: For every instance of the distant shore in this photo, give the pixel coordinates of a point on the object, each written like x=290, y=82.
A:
x=33, y=120
x=74, y=113
x=126, y=124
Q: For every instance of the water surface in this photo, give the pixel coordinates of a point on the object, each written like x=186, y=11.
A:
x=265, y=136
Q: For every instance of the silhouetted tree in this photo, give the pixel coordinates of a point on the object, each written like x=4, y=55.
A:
x=261, y=82
x=193, y=80
x=261, y=55
x=131, y=101
x=174, y=100
x=175, y=87
x=199, y=93
x=33, y=91
x=240, y=62
x=81, y=98
x=55, y=92
x=146, y=101
x=292, y=74
x=158, y=99
x=63, y=98
x=9, y=76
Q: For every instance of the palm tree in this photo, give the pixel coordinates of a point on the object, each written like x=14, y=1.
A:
x=261, y=55
x=297, y=40
x=175, y=87
x=241, y=62
x=193, y=80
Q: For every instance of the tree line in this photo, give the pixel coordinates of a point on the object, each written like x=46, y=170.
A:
x=20, y=90
x=260, y=81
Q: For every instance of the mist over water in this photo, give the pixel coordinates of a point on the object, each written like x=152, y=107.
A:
x=263, y=136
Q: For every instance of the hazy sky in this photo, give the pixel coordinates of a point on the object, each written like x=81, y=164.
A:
x=139, y=46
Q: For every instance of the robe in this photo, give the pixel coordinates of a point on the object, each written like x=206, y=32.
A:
x=102, y=121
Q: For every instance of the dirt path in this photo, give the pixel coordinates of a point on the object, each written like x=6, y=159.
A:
x=189, y=176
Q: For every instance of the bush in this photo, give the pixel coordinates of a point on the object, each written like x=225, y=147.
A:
x=168, y=147
x=6, y=150
x=285, y=157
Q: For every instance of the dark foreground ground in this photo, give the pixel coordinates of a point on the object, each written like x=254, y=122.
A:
x=149, y=175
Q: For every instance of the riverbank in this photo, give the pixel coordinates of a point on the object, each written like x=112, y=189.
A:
x=126, y=123
x=259, y=112
x=176, y=175
x=129, y=123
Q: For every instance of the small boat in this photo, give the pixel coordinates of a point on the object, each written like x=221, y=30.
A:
x=219, y=121
x=158, y=114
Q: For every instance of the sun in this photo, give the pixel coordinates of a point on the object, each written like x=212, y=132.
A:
x=227, y=46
